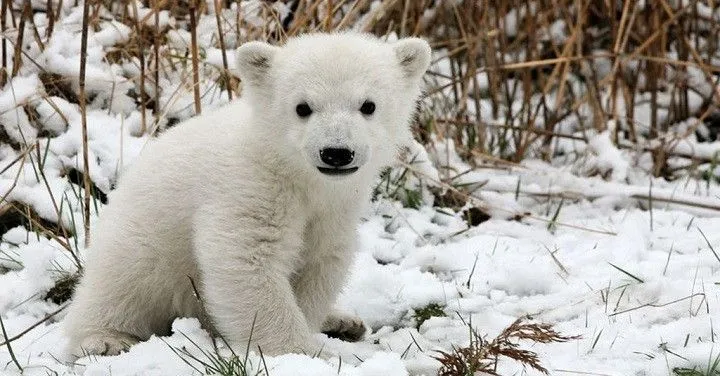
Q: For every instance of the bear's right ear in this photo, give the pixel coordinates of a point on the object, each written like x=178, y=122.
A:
x=413, y=54
x=253, y=60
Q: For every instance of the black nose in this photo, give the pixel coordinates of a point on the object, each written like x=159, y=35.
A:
x=337, y=157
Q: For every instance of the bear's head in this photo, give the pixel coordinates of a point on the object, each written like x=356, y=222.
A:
x=343, y=101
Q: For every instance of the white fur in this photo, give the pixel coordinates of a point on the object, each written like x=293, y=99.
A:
x=233, y=200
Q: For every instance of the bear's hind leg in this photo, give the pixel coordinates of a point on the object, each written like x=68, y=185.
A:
x=115, y=307
x=103, y=342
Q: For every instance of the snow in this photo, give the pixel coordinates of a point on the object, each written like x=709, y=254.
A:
x=570, y=242
x=514, y=274
x=608, y=158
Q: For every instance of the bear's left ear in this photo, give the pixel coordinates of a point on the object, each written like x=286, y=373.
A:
x=253, y=61
x=413, y=54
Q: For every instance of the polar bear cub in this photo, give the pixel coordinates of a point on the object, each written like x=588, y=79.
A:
x=254, y=205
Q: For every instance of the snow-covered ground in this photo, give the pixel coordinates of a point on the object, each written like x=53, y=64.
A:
x=564, y=245
x=644, y=299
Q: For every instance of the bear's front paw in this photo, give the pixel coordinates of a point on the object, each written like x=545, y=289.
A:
x=344, y=327
x=104, y=344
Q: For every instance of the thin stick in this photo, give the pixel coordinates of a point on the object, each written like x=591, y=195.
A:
x=636, y=196
x=194, y=48
x=83, y=110
x=14, y=183
x=31, y=327
x=10, y=350
x=17, y=159
x=17, y=57
x=156, y=73
x=35, y=223
x=655, y=305
x=58, y=209
x=709, y=244
x=141, y=47
x=221, y=38
x=51, y=19
x=3, y=29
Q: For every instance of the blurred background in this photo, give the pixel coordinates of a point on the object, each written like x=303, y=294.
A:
x=594, y=85
x=511, y=79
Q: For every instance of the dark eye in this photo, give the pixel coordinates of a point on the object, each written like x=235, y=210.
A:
x=303, y=110
x=367, y=108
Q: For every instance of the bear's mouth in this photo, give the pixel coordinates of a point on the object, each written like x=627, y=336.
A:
x=337, y=171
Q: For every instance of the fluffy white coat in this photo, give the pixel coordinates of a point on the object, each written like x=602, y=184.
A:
x=234, y=200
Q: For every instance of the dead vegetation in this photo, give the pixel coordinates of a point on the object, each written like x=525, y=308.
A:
x=512, y=79
x=14, y=214
x=481, y=356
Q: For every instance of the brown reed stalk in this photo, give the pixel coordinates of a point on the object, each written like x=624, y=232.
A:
x=141, y=58
x=83, y=110
x=194, y=51
x=51, y=19
x=156, y=68
x=221, y=39
x=17, y=56
x=3, y=29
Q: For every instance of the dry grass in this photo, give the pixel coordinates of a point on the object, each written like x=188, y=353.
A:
x=482, y=356
x=513, y=82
